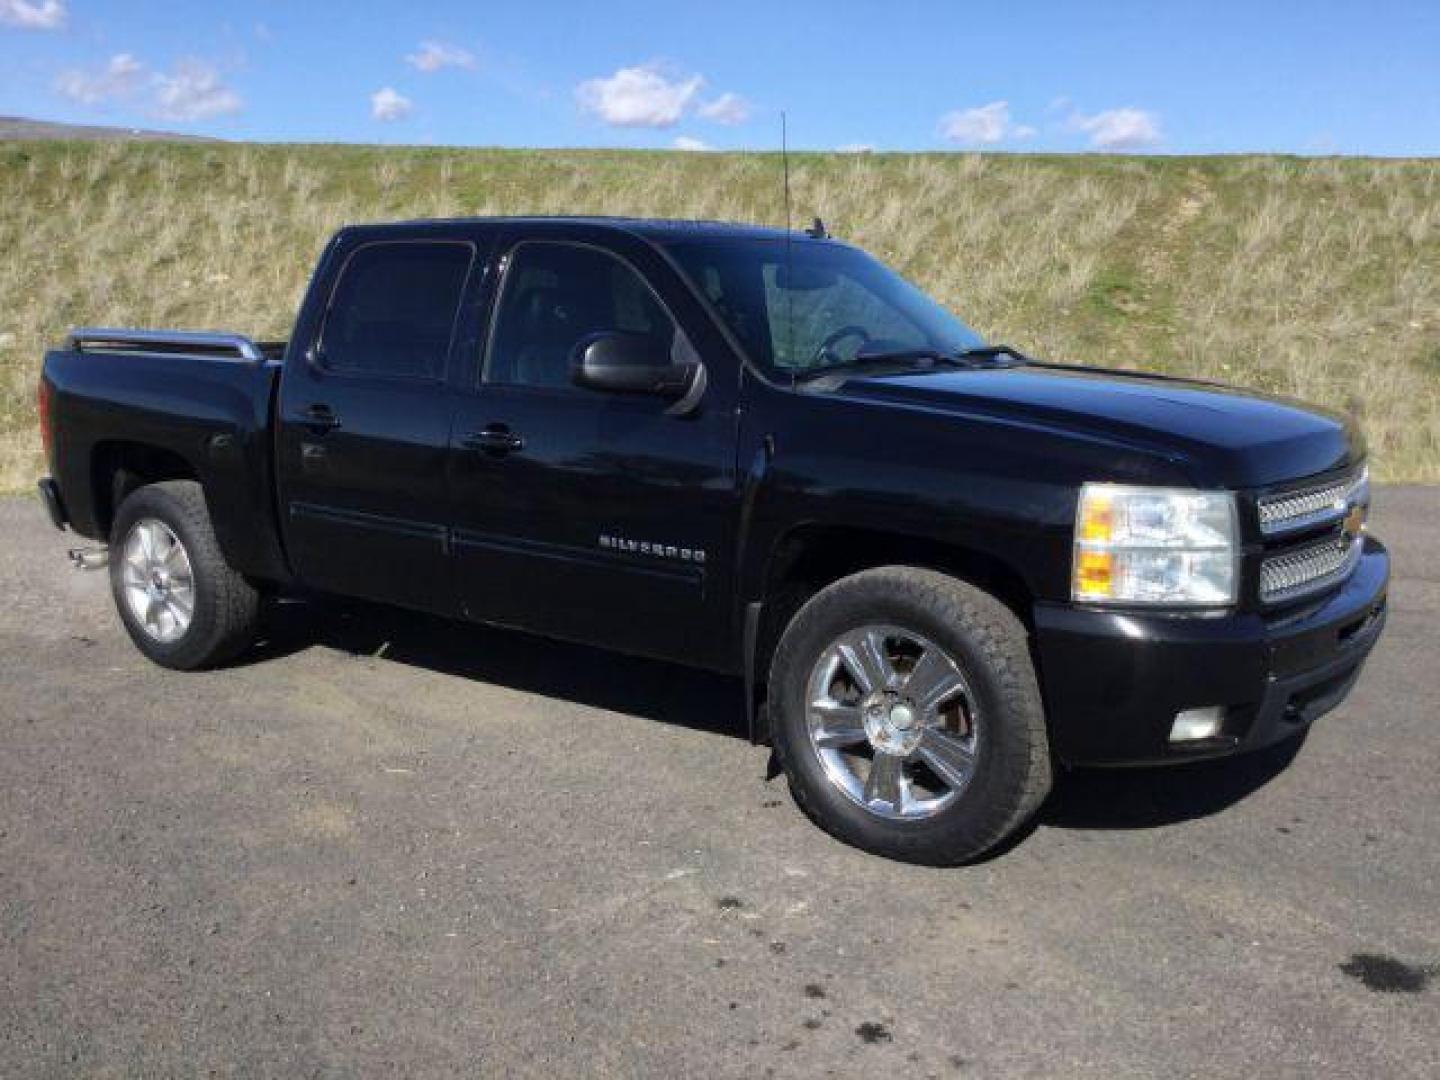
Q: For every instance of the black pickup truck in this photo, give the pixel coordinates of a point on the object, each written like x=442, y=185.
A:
x=942, y=568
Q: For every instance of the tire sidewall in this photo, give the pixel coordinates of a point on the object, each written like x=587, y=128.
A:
x=986, y=803
x=155, y=502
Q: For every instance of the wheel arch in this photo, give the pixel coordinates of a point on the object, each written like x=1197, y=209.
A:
x=812, y=556
x=119, y=467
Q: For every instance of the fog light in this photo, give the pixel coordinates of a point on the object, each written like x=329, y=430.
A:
x=1195, y=724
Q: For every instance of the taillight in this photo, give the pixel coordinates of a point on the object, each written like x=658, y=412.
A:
x=44, y=398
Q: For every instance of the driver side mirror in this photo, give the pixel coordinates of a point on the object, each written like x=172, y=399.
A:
x=626, y=363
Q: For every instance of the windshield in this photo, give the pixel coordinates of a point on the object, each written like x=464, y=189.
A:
x=820, y=307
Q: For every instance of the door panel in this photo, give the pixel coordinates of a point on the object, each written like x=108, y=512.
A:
x=604, y=520
x=609, y=526
x=364, y=429
x=364, y=502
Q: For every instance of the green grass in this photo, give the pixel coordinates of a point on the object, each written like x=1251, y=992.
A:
x=1318, y=278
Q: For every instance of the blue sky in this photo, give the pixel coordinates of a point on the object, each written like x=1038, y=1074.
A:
x=1171, y=77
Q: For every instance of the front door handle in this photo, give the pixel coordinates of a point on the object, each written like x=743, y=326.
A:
x=319, y=418
x=494, y=439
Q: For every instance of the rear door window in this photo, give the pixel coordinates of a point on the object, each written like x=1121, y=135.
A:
x=393, y=310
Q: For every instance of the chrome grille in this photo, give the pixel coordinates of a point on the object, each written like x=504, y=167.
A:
x=1291, y=511
x=1309, y=569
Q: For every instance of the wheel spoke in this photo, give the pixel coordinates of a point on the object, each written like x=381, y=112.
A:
x=886, y=782
x=863, y=653
x=933, y=679
x=841, y=725
x=948, y=757
x=181, y=607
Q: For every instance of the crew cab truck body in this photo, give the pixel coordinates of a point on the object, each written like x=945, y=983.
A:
x=942, y=568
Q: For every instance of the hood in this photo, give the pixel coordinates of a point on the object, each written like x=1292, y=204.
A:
x=1231, y=438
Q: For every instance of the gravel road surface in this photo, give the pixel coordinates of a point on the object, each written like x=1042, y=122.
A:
x=391, y=845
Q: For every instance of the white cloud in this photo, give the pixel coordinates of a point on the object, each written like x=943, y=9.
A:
x=386, y=104
x=119, y=78
x=193, y=91
x=33, y=14
x=685, y=142
x=638, y=97
x=434, y=55
x=983, y=125
x=1119, y=129
x=728, y=109
x=855, y=148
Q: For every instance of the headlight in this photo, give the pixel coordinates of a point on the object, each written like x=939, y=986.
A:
x=1141, y=545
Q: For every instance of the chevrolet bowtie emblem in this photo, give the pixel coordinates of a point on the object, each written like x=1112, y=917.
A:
x=1354, y=523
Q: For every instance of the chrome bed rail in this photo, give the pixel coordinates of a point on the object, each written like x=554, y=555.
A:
x=110, y=339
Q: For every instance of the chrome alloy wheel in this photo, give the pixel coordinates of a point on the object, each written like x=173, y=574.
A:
x=893, y=722
x=159, y=583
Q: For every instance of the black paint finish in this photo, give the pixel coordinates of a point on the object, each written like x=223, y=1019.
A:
x=607, y=518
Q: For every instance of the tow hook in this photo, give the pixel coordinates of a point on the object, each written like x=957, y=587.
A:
x=89, y=558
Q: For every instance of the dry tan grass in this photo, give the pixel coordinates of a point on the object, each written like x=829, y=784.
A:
x=1316, y=278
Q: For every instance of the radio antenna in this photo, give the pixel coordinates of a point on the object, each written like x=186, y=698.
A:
x=789, y=272
x=785, y=166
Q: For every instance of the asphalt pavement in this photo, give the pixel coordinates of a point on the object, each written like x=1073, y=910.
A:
x=385, y=844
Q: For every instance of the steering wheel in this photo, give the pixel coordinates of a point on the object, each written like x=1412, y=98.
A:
x=825, y=351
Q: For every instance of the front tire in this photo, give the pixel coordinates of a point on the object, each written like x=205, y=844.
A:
x=907, y=716
x=179, y=600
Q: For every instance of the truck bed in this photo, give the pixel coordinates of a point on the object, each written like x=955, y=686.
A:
x=202, y=397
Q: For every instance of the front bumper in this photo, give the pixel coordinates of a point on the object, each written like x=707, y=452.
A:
x=1113, y=680
x=54, y=505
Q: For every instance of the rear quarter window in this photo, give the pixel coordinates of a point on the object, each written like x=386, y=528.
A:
x=393, y=309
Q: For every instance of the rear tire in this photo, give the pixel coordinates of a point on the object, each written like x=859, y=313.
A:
x=906, y=714
x=179, y=600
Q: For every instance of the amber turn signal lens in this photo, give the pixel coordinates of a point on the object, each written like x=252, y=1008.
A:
x=1097, y=520
x=1094, y=571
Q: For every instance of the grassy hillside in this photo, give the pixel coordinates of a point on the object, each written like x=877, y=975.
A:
x=1317, y=278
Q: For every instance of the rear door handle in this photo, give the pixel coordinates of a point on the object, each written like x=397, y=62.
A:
x=494, y=439
x=319, y=418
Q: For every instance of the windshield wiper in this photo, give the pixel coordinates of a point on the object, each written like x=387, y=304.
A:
x=992, y=353
x=923, y=357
